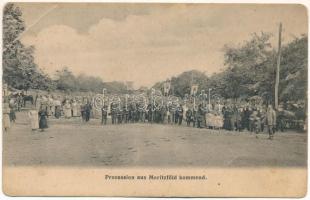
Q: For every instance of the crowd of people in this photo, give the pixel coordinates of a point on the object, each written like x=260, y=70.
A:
x=229, y=116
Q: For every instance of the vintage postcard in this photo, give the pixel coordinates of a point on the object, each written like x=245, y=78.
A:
x=154, y=99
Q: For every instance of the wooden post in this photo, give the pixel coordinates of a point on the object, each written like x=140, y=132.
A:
x=276, y=91
x=126, y=97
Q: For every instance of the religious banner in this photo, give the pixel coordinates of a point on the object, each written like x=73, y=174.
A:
x=167, y=86
x=194, y=90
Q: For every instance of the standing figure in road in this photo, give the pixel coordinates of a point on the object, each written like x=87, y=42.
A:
x=168, y=115
x=113, y=112
x=141, y=113
x=12, y=105
x=83, y=113
x=172, y=113
x=200, y=116
x=67, y=109
x=74, y=108
x=125, y=114
x=149, y=113
x=136, y=113
x=19, y=99
x=163, y=114
x=104, y=114
x=251, y=120
x=256, y=123
x=194, y=116
x=88, y=109
x=119, y=115
x=34, y=119
x=57, y=105
x=180, y=114
x=271, y=121
x=50, y=106
x=237, y=117
x=188, y=115
x=43, y=118
x=6, y=115
x=176, y=114
x=228, y=115
x=246, y=118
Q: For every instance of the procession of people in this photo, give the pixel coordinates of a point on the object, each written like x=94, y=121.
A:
x=231, y=116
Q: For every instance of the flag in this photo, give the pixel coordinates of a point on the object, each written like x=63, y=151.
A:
x=194, y=90
x=167, y=86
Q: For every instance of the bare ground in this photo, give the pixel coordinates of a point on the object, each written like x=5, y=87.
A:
x=73, y=143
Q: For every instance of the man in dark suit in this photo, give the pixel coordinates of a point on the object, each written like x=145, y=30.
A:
x=104, y=115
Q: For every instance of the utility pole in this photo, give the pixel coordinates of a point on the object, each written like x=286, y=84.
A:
x=209, y=97
x=276, y=90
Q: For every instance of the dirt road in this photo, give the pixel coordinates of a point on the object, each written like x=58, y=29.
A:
x=73, y=143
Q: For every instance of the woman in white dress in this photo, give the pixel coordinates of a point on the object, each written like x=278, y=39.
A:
x=67, y=110
x=34, y=119
x=75, y=107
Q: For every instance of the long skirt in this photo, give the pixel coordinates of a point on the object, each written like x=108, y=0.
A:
x=43, y=122
x=53, y=110
x=227, y=123
x=57, y=112
x=218, y=121
x=49, y=111
x=87, y=115
x=209, y=120
x=34, y=119
x=75, y=112
x=67, y=112
x=6, y=121
x=12, y=116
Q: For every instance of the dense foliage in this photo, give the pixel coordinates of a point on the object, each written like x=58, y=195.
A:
x=250, y=71
x=19, y=69
x=67, y=81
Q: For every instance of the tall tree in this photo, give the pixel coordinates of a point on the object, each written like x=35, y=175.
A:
x=250, y=71
x=294, y=70
x=248, y=66
x=19, y=69
x=65, y=80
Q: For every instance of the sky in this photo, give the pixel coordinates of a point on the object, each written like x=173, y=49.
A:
x=147, y=43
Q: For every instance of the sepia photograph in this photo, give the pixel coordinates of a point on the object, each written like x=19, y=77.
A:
x=206, y=88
